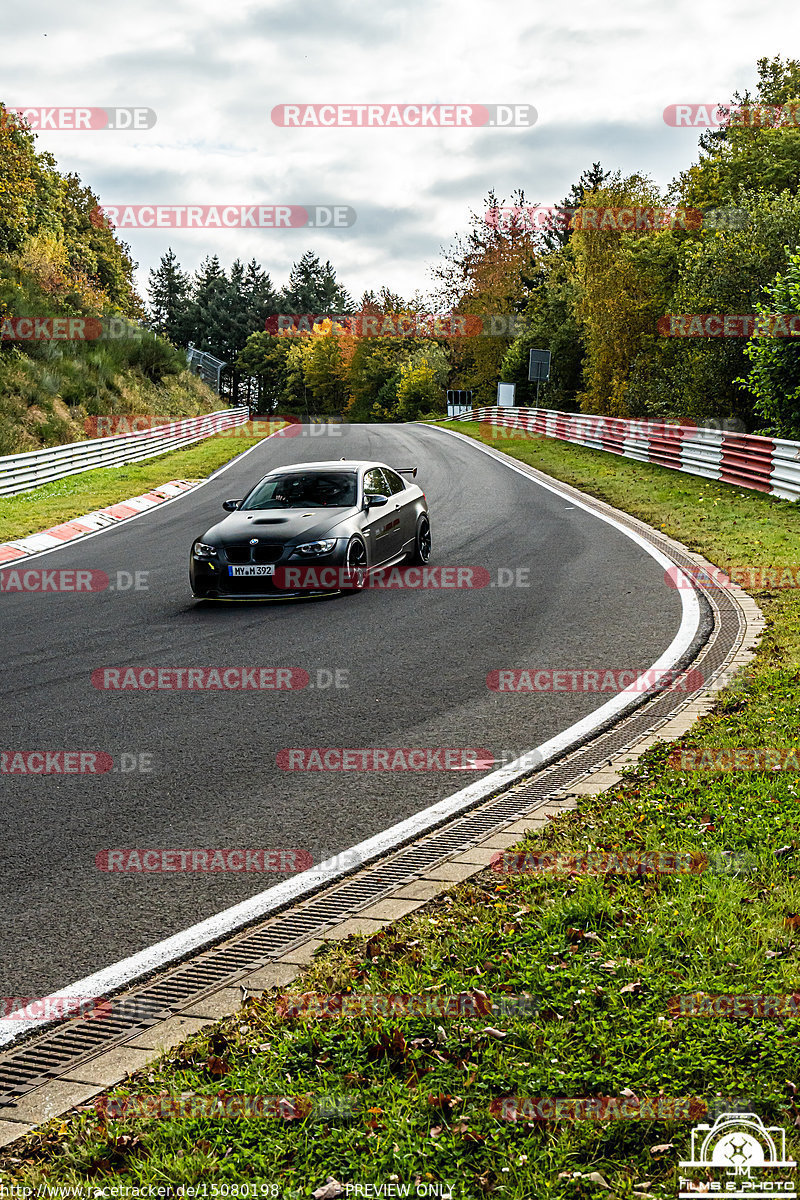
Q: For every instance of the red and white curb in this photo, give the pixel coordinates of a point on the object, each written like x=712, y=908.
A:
x=79, y=527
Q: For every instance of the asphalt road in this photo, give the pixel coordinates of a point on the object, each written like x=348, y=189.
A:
x=415, y=662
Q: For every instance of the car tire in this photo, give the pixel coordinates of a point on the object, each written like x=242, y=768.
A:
x=421, y=552
x=355, y=560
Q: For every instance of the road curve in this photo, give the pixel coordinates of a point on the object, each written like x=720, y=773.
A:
x=416, y=664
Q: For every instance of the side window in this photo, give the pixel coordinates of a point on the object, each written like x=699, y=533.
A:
x=375, y=484
x=395, y=482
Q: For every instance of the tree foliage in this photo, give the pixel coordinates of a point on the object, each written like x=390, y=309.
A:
x=775, y=375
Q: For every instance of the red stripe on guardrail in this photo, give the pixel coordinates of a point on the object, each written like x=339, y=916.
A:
x=745, y=460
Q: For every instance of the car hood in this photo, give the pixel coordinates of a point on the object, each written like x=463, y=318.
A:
x=279, y=525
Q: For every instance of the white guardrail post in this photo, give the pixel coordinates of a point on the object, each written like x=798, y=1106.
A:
x=21, y=472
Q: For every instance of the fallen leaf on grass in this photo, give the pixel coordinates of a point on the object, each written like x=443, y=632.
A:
x=477, y=999
x=631, y=987
x=330, y=1189
x=219, y=1044
x=445, y=1102
x=582, y=935
x=661, y=1148
x=388, y=1046
x=217, y=1066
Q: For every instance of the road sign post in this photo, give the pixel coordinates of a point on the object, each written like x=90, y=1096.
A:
x=458, y=401
x=539, y=368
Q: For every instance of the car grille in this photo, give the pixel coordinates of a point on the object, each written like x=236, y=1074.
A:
x=264, y=552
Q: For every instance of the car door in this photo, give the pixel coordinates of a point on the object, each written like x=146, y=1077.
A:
x=381, y=525
x=403, y=499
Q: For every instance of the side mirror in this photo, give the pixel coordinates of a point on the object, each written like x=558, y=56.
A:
x=231, y=505
x=376, y=501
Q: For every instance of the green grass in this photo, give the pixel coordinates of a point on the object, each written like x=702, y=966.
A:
x=602, y=955
x=49, y=505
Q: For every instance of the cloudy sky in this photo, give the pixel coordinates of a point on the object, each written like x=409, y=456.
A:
x=599, y=76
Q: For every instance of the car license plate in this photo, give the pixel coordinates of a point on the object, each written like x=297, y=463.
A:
x=270, y=570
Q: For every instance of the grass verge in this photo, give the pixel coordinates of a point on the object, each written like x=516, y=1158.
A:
x=406, y=1100
x=43, y=507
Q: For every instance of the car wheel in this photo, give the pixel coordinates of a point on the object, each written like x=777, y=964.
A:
x=355, y=564
x=422, y=543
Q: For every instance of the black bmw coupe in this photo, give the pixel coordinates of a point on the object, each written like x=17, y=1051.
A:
x=310, y=528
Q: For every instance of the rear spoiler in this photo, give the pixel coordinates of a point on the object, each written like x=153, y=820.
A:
x=412, y=471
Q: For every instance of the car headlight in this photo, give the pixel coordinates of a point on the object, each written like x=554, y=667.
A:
x=312, y=548
x=203, y=550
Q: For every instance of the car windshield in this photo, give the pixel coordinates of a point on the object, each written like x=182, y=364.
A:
x=312, y=489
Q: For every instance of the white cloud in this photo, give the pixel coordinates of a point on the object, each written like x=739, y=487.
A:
x=599, y=76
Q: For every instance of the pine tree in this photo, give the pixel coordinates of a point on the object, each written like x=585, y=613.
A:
x=169, y=292
x=588, y=183
x=313, y=288
x=210, y=309
x=262, y=299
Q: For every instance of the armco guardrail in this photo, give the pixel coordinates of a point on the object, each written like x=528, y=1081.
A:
x=765, y=464
x=21, y=472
